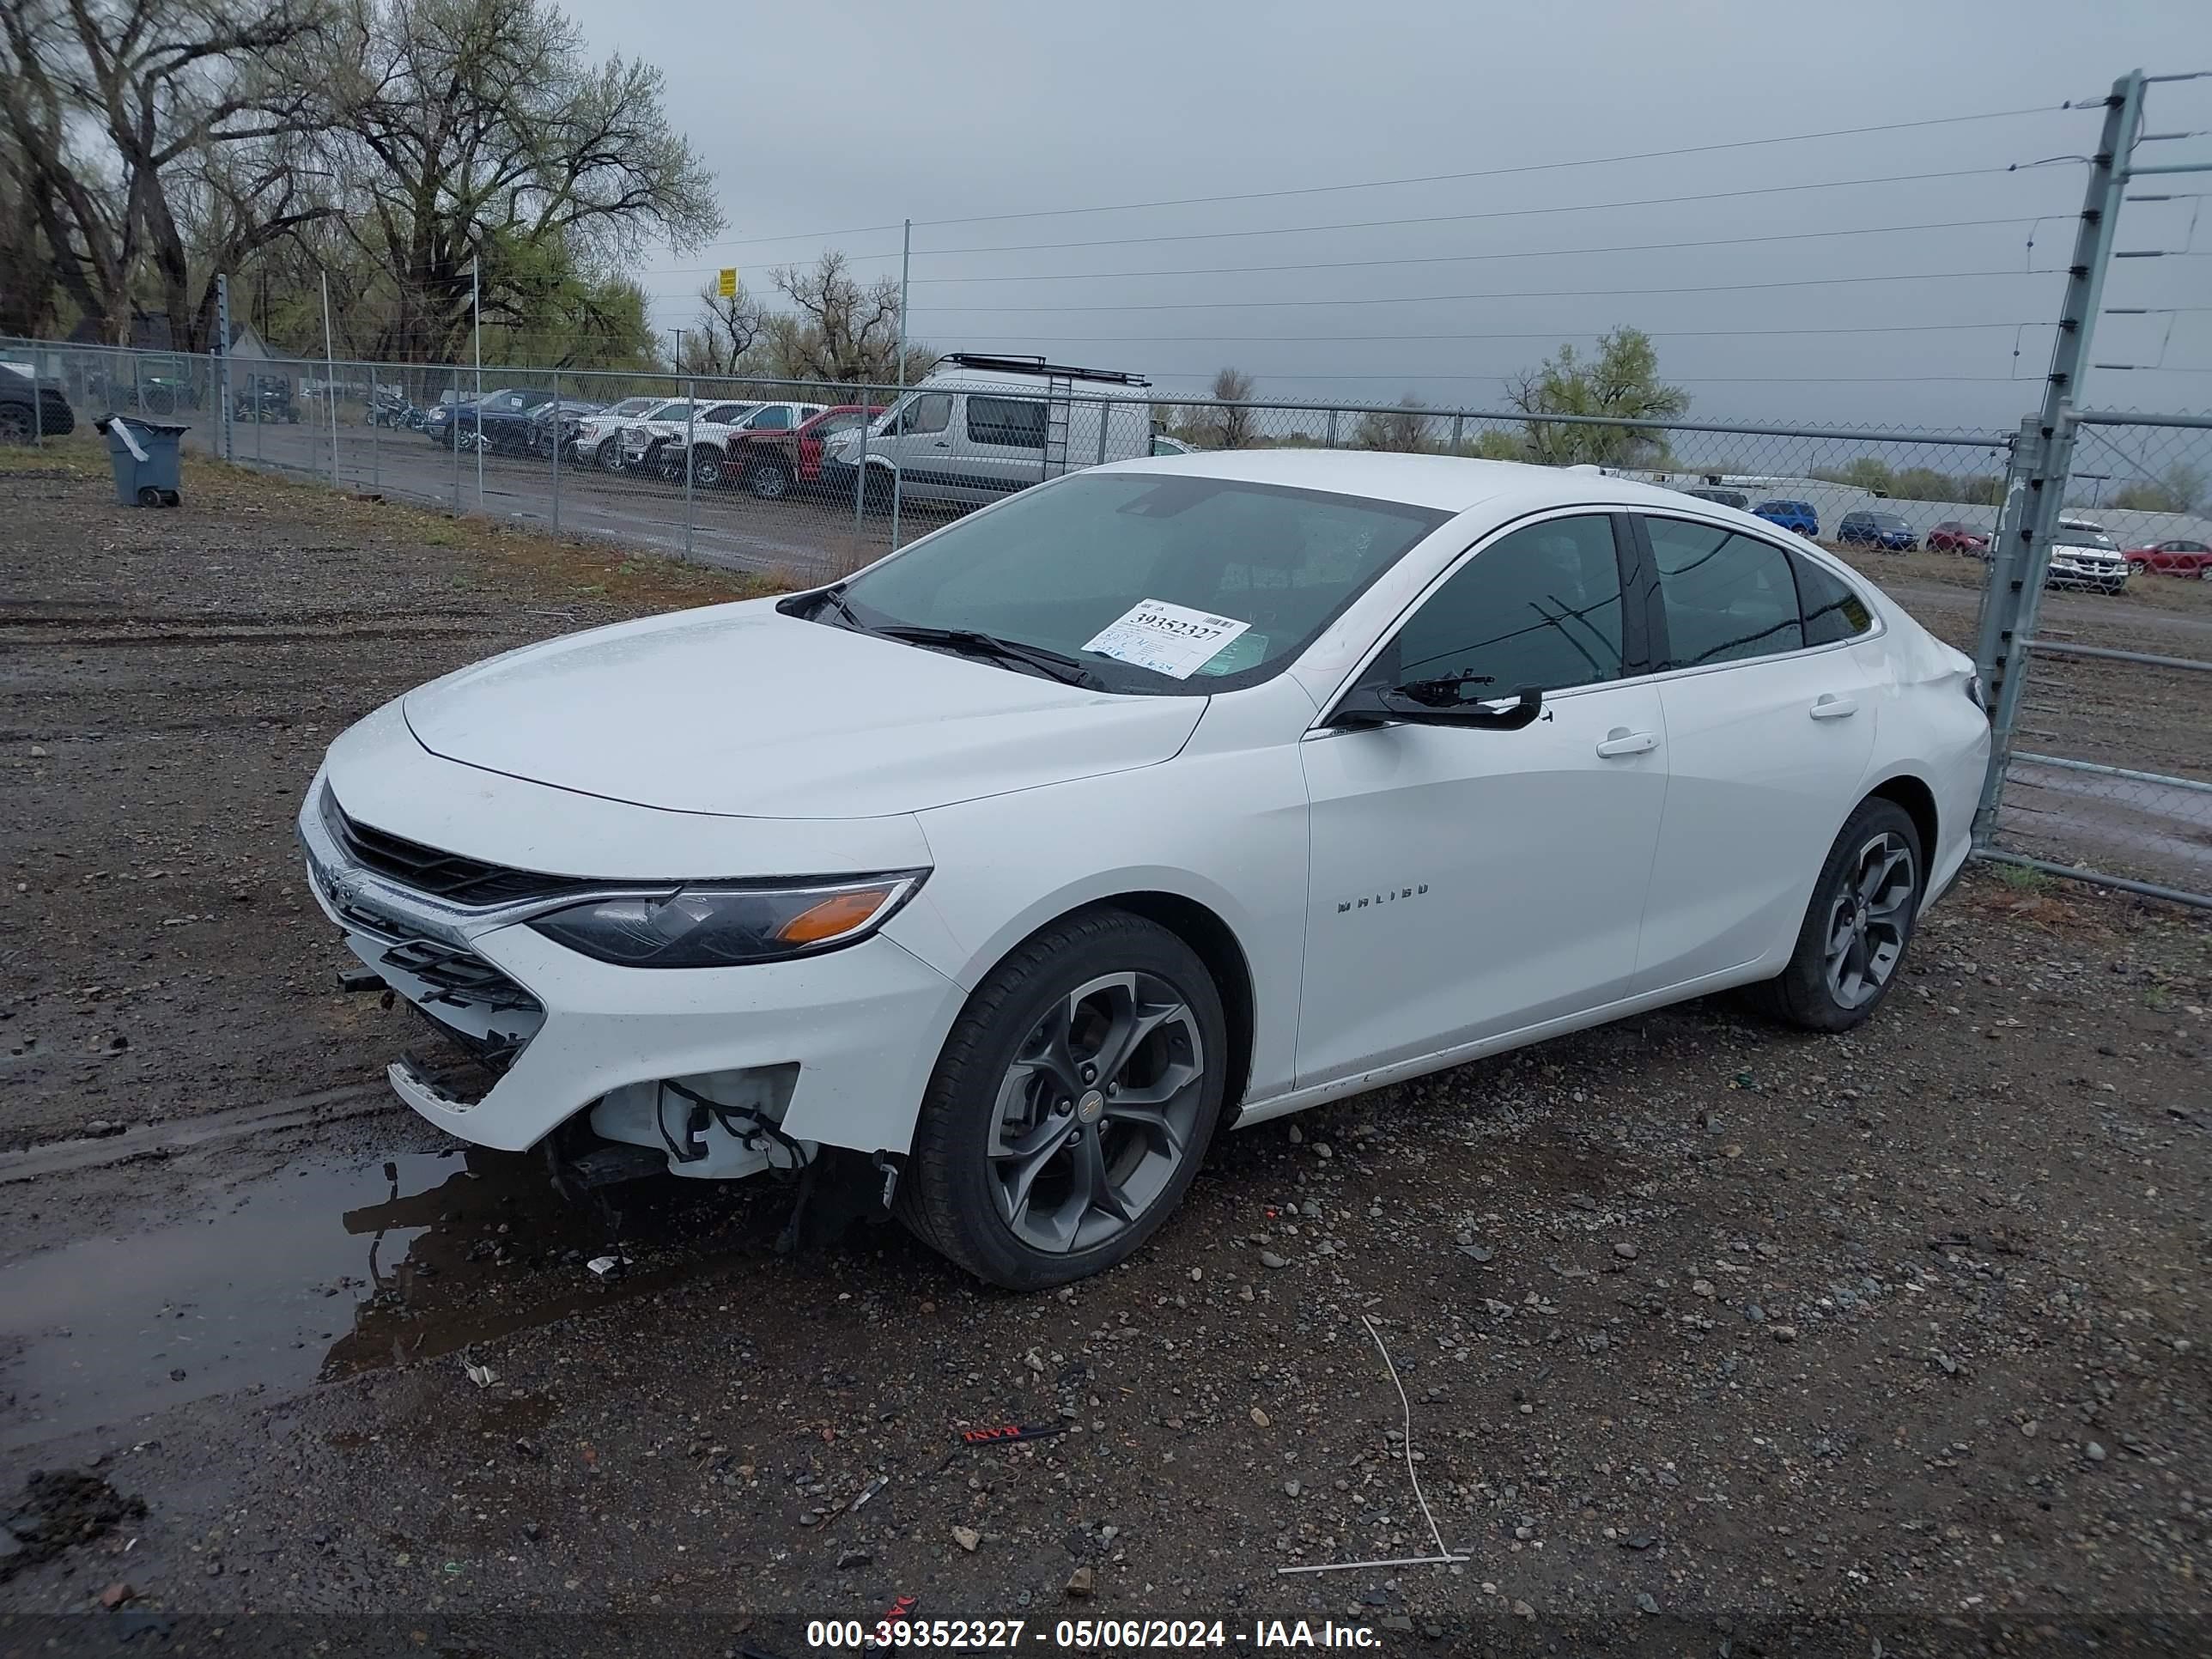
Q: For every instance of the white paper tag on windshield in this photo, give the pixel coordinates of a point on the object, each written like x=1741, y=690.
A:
x=1169, y=639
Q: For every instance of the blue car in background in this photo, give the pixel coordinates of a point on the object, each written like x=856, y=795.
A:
x=1790, y=515
x=1883, y=529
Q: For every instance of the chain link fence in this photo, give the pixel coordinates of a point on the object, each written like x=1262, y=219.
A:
x=2109, y=772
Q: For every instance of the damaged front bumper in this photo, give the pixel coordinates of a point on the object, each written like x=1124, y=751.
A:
x=726, y=1072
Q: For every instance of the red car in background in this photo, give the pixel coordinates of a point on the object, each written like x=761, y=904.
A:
x=2174, y=558
x=777, y=465
x=1955, y=536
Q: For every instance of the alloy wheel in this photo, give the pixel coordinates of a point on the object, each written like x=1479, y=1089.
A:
x=1096, y=1113
x=1868, y=918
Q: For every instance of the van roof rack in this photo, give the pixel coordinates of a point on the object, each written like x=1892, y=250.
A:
x=986, y=361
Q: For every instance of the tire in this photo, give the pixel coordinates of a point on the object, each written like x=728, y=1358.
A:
x=609, y=454
x=770, y=479
x=14, y=425
x=149, y=496
x=1876, y=934
x=171, y=498
x=1077, y=1180
x=706, y=469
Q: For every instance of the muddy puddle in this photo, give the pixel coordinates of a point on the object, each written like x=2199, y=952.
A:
x=321, y=1270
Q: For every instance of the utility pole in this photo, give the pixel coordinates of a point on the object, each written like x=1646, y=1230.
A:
x=906, y=265
x=224, y=432
x=475, y=312
x=330, y=379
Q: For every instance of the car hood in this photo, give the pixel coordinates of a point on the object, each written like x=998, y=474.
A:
x=741, y=711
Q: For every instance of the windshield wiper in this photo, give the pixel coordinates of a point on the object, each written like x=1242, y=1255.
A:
x=974, y=642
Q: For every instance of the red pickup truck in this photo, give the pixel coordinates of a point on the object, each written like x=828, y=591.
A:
x=776, y=464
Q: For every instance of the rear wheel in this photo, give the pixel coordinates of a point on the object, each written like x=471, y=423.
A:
x=1072, y=1104
x=1856, y=929
x=770, y=479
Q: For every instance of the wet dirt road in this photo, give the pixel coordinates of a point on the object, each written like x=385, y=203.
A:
x=1708, y=1333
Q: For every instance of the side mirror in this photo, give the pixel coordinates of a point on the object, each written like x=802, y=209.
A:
x=1378, y=705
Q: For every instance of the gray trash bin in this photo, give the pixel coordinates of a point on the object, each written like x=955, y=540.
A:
x=144, y=455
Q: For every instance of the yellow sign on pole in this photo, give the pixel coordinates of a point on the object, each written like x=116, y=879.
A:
x=728, y=284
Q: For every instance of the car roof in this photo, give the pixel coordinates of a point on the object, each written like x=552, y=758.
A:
x=1449, y=483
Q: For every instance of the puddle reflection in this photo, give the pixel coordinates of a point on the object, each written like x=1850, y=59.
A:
x=319, y=1271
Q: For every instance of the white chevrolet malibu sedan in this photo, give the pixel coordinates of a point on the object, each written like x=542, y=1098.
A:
x=1176, y=792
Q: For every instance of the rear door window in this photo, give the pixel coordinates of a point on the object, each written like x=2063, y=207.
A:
x=1726, y=597
x=1832, y=612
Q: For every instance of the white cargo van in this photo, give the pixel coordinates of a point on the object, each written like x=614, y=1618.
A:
x=982, y=427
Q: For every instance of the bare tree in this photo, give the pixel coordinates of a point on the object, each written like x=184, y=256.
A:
x=1405, y=428
x=836, y=329
x=1212, y=426
x=106, y=103
x=723, y=333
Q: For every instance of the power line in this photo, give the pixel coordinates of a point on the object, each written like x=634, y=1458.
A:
x=1514, y=294
x=1491, y=213
x=1461, y=258
x=1498, y=173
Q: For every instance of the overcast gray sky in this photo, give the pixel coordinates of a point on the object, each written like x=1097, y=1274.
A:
x=832, y=118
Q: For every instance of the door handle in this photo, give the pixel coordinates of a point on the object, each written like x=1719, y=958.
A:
x=1622, y=741
x=1830, y=707
x=940, y=444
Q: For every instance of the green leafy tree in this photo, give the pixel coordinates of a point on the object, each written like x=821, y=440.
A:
x=1869, y=472
x=1621, y=379
x=480, y=130
x=2180, y=489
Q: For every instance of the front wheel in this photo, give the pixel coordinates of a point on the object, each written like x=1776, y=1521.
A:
x=609, y=454
x=1857, y=927
x=1070, y=1105
x=706, y=469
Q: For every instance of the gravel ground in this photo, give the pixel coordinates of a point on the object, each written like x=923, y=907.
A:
x=168, y=682
x=1713, y=1338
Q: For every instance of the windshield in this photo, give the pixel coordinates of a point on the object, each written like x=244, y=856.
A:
x=2086, y=535
x=1057, y=566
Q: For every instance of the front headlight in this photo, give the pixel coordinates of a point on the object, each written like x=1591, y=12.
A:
x=722, y=926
